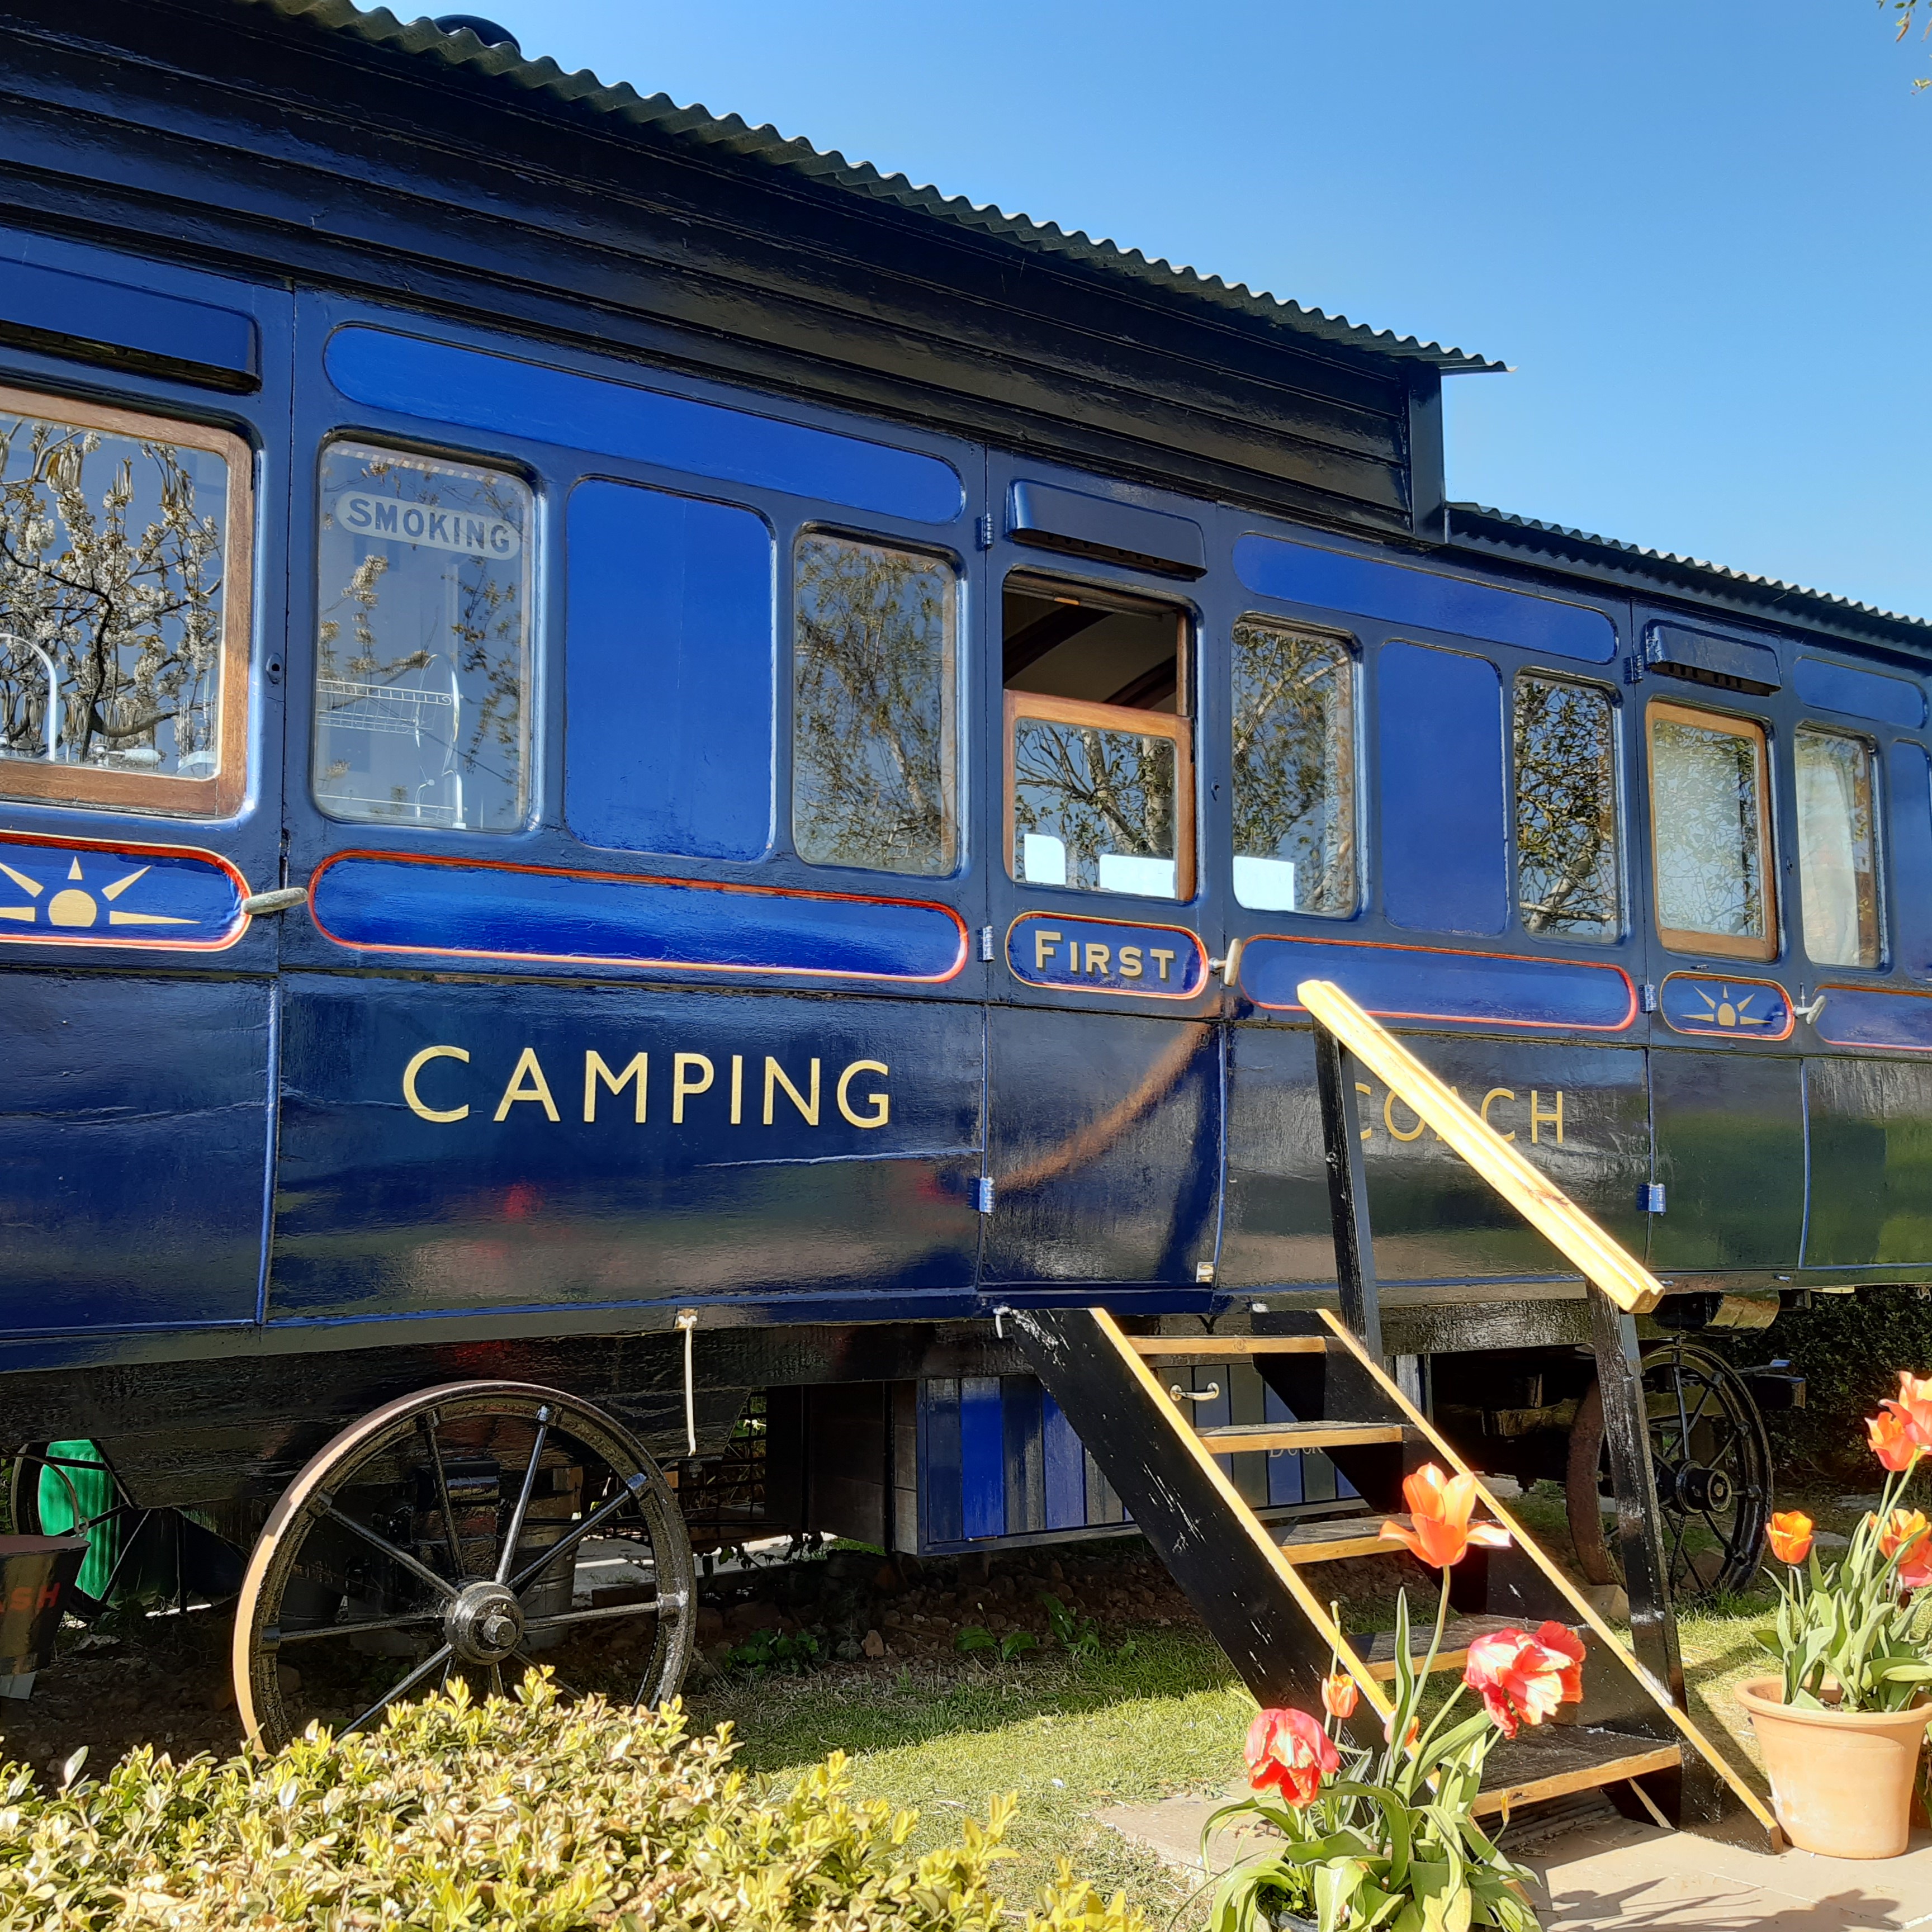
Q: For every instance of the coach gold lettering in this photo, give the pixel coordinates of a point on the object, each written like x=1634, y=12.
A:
x=417, y=1104
x=681, y=1087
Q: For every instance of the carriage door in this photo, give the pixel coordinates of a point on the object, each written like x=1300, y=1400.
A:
x=1727, y=1087
x=1104, y=1080
x=139, y=742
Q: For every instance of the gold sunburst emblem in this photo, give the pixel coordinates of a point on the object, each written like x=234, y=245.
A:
x=76, y=908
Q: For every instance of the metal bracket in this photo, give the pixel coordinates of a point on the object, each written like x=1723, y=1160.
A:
x=258, y=905
x=984, y=1190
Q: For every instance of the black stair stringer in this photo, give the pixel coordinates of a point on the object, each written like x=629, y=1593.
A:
x=1217, y=1552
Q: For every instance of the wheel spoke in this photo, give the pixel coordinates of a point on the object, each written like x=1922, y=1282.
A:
x=1710, y=1390
x=515, y=1531
x=496, y=1680
x=633, y=1487
x=530, y=1663
x=607, y=1614
x=312, y=1631
x=389, y=1549
x=396, y=1690
x=427, y=1423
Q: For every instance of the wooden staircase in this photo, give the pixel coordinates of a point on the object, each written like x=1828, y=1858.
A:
x=1632, y=1736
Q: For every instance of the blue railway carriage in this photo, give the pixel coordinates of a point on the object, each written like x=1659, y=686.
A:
x=657, y=789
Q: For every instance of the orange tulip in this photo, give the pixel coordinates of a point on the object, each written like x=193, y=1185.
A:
x=1891, y=1441
x=1340, y=1695
x=1913, y=1408
x=1908, y=1530
x=1523, y=1679
x=1790, y=1536
x=1288, y=1751
x=1441, y=1507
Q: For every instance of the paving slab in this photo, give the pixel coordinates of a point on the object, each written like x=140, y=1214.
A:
x=1616, y=1872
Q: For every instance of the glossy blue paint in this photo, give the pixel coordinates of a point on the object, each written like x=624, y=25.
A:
x=1875, y=1016
x=1754, y=667
x=1079, y=524
x=530, y=401
x=1444, y=838
x=1106, y=955
x=166, y=329
x=1402, y=594
x=377, y=902
x=982, y=1458
x=1726, y=1008
x=1413, y=982
x=1865, y=694
x=669, y=668
x=790, y=1146
x=134, y=1136
x=1909, y=840
x=83, y=892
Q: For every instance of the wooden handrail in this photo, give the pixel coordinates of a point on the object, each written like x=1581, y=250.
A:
x=1537, y=1198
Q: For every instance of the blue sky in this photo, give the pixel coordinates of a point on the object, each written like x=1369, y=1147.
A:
x=1698, y=231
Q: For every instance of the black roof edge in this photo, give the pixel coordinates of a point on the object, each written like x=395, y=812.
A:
x=1476, y=527
x=503, y=71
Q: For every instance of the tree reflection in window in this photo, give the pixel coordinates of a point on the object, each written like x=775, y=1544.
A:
x=1293, y=767
x=1566, y=810
x=874, y=705
x=1707, y=804
x=422, y=654
x=1094, y=806
x=111, y=572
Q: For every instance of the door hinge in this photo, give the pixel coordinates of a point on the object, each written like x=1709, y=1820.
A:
x=985, y=527
x=986, y=942
x=1647, y=997
x=1650, y=1198
x=985, y=1188
x=1633, y=669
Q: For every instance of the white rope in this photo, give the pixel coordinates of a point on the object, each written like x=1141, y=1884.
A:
x=687, y=1320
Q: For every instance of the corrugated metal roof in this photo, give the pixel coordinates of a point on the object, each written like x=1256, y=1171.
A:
x=660, y=118
x=1495, y=529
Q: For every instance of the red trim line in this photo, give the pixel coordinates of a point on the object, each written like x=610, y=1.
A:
x=1454, y=953
x=638, y=879
x=1721, y=1032
x=1870, y=1046
x=1127, y=924
x=242, y=922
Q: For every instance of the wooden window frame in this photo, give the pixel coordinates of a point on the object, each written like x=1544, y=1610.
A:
x=151, y=793
x=1619, y=833
x=1177, y=728
x=1678, y=939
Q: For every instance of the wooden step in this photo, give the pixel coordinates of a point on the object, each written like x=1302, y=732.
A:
x=1378, y=1651
x=1203, y=1348
x=1334, y=1537
x=1555, y=1759
x=1236, y=1438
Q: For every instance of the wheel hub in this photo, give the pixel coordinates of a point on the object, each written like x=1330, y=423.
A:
x=485, y=1624
x=1697, y=1488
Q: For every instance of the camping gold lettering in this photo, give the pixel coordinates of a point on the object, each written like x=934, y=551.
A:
x=682, y=1088
x=774, y=1077
x=537, y=1090
x=595, y=1070
x=881, y=1102
x=417, y=1104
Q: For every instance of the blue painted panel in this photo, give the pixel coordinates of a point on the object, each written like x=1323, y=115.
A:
x=86, y=892
x=1416, y=982
x=1302, y=574
x=939, y=1461
x=1865, y=1016
x=1106, y=955
x=1444, y=837
x=52, y=301
x=982, y=1463
x=1284, y=1469
x=1064, y=1458
x=455, y=1188
x=1865, y=694
x=133, y=1144
x=1909, y=830
x=449, y=909
x=669, y=673
x=1020, y=1399
x=1724, y=1008
x=508, y=397
x=1076, y=523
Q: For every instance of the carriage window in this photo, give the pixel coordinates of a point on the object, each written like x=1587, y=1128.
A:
x=1294, y=770
x=875, y=725
x=1566, y=810
x=1100, y=788
x=1711, y=831
x=422, y=663
x=1837, y=857
x=123, y=609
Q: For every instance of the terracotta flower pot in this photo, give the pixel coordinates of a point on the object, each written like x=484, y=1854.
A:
x=1841, y=1781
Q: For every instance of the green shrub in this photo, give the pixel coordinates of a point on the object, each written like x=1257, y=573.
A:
x=515, y=1815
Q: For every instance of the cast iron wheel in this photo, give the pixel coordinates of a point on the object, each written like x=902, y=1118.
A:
x=1713, y=1465
x=454, y=1532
